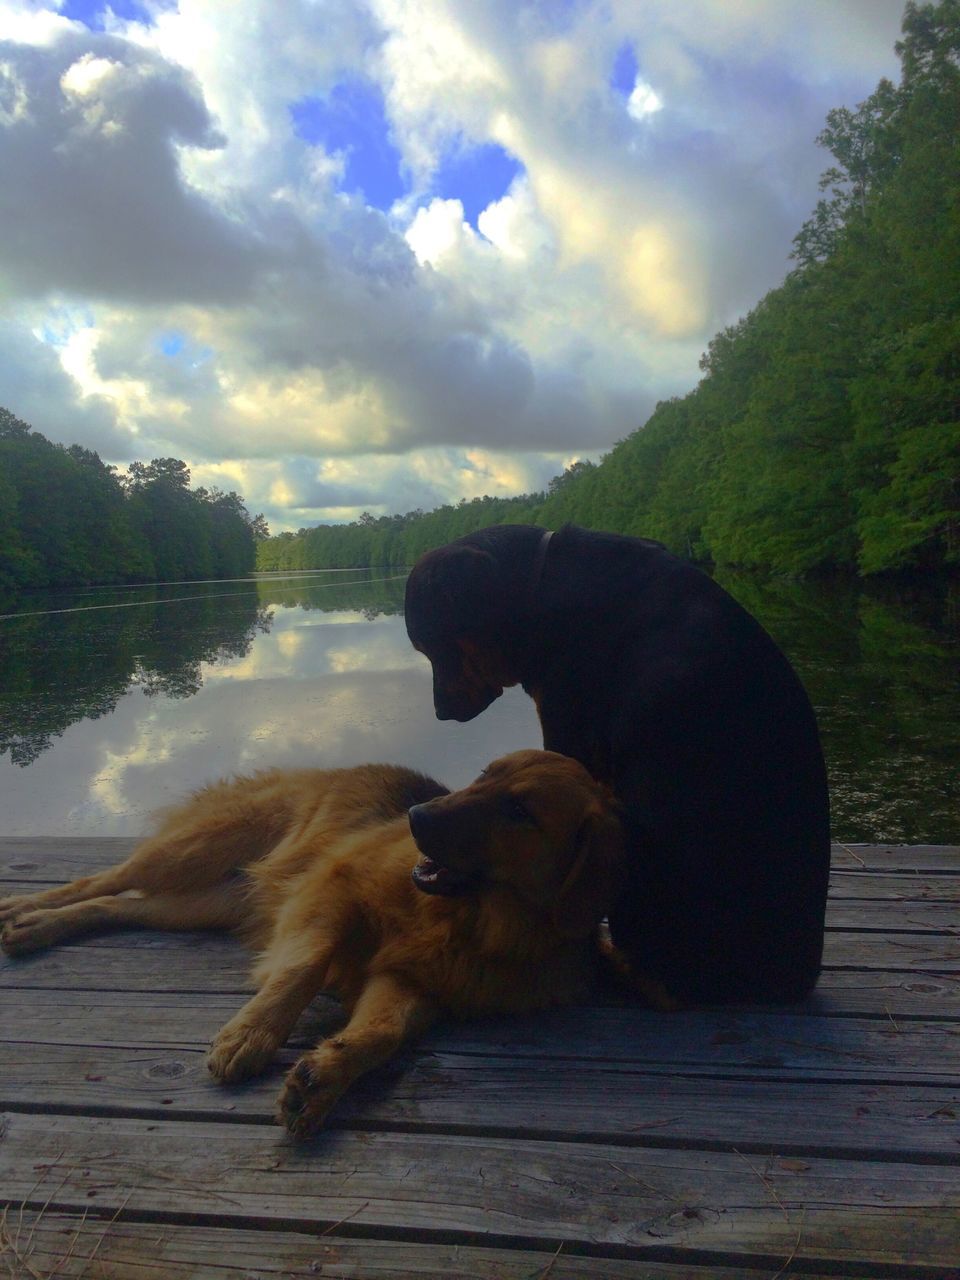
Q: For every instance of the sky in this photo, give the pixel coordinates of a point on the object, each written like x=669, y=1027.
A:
x=348, y=255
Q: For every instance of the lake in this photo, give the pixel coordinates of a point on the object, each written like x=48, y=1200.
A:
x=115, y=701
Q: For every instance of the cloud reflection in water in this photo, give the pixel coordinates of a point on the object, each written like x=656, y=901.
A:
x=320, y=689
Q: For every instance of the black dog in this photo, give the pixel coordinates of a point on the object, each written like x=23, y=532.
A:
x=652, y=676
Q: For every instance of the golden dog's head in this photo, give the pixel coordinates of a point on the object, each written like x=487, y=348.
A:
x=535, y=822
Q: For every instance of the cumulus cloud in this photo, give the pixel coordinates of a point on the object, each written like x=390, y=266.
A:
x=36, y=385
x=93, y=203
x=587, y=193
x=297, y=491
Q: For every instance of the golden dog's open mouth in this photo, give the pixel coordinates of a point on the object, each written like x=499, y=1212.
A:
x=433, y=877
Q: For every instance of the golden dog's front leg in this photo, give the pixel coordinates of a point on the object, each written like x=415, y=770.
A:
x=388, y=1013
x=218, y=907
x=248, y=1043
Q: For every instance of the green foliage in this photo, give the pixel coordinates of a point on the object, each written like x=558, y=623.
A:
x=391, y=541
x=906, y=449
x=66, y=518
x=866, y=146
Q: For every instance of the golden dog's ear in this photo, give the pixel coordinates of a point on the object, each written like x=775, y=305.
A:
x=592, y=882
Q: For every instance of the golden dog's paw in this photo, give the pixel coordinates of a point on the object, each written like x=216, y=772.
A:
x=240, y=1052
x=14, y=906
x=31, y=931
x=305, y=1099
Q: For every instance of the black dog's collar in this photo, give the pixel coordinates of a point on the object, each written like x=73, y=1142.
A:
x=536, y=573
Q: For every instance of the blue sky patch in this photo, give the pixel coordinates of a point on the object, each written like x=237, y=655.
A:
x=91, y=12
x=625, y=68
x=172, y=343
x=63, y=322
x=476, y=175
x=180, y=349
x=352, y=119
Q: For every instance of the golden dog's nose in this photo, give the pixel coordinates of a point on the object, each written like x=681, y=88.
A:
x=419, y=818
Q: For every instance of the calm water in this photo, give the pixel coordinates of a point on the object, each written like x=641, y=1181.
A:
x=117, y=701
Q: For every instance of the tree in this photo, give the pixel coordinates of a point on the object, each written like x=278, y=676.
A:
x=66, y=517
x=866, y=145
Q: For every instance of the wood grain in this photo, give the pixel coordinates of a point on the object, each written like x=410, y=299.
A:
x=517, y=1194
x=604, y=1141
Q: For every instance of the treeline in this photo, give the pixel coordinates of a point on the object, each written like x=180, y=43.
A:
x=825, y=433
x=393, y=541
x=67, y=518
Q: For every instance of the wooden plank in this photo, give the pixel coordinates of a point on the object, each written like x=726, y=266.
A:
x=203, y=962
x=135, y=961
x=125, y=1018
x=69, y=1245
x=724, y=1042
x=56, y=858
x=222, y=968
x=462, y=1189
x=894, y=915
x=59, y=858
x=907, y=886
x=896, y=857
x=918, y=953
x=435, y=1091
x=886, y=911
x=900, y=994
x=763, y=1045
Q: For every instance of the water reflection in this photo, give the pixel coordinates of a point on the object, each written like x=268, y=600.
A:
x=114, y=702
x=281, y=672
x=881, y=669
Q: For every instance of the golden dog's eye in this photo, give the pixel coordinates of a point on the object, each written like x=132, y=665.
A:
x=516, y=810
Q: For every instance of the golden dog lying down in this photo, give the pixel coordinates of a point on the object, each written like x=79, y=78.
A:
x=486, y=900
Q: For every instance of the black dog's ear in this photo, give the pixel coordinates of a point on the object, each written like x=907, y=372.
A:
x=592, y=883
x=457, y=587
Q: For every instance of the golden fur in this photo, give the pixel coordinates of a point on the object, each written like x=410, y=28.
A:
x=314, y=869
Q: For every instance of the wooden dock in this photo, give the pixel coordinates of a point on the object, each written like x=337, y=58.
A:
x=606, y=1141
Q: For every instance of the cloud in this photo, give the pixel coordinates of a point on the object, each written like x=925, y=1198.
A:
x=34, y=382
x=93, y=203
x=654, y=205
x=340, y=249
x=297, y=491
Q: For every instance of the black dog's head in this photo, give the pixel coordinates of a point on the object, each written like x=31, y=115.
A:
x=461, y=609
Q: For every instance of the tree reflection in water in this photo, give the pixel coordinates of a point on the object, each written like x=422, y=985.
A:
x=71, y=656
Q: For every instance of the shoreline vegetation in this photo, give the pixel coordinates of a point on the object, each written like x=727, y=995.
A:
x=823, y=437
x=68, y=519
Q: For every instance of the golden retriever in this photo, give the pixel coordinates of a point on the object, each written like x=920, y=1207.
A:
x=405, y=901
